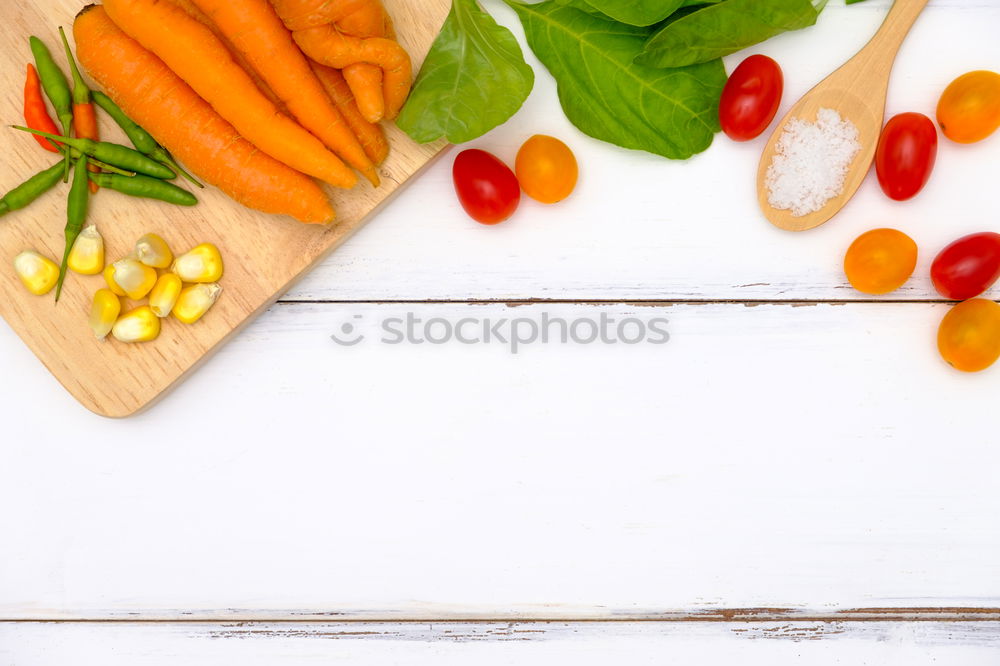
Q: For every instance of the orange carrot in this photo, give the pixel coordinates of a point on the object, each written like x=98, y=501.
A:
x=378, y=94
x=365, y=82
x=259, y=35
x=198, y=57
x=156, y=98
x=371, y=135
x=194, y=12
x=328, y=46
x=302, y=14
x=366, y=21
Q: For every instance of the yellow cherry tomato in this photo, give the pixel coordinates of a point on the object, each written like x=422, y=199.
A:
x=969, y=336
x=880, y=261
x=969, y=110
x=546, y=169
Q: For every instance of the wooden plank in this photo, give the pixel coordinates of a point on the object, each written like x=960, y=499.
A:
x=816, y=457
x=640, y=227
x=264, y=255
x=443, y=644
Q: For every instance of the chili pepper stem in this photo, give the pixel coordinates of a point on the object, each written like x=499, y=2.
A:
x=169, y=161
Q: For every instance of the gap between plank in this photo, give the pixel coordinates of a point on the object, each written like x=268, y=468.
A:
x=652, y=303
x=724, y=616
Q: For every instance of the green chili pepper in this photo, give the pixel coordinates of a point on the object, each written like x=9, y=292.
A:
x=146, y=188
x=31, y=189
x=56, y=88
x=112, y=153
x=105, y=166
x=76, y=215
x=140, y=138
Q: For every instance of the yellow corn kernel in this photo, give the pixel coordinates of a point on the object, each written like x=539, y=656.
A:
x=195, y=301
x=139, y=325
x=164, y=295
x=104, y=312
x=37, y=273
x=200, y=264
x=109, y=278
x=136, y=279
x=87, y=255
x=153, y=251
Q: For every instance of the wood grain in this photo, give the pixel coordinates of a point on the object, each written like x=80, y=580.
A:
x=502, y=643
x=264, y=254
x=565, y=481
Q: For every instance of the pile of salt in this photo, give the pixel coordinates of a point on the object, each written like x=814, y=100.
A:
x=811, y=162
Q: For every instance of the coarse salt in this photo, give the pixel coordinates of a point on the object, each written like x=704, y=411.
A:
x=810, y=163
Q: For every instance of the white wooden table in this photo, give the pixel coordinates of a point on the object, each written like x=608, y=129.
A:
x=795, y=450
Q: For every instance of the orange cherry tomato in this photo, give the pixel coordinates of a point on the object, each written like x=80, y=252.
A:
x=969, y=336
x=880, y=261
x=969, y=110
x=546, y=169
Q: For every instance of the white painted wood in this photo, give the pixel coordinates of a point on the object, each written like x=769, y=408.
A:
x=642, y=227
x=770, y=644
x=293, y=477
x=820, y=457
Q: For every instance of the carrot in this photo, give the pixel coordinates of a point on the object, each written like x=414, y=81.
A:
x=328, y=46
x=366, y=21
x=303, y=14
x=366, y=84
x=194, y=12
x=258, y=34
x=371, y=135
x=198, y=57
x=156, y=98
x=366, y=80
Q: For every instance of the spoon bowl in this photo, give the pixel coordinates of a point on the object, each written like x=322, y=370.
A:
x=857, y=91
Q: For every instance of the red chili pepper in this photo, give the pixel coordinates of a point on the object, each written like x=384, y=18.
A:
x=84, y=116
x=36, y=115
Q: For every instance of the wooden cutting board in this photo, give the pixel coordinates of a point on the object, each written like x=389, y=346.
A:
x=264, y=255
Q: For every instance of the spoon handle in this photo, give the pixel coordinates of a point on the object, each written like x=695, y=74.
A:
x=895, y=28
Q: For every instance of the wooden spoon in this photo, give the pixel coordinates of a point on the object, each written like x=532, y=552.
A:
x=857, y=91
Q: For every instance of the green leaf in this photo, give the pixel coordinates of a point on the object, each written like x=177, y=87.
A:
x=474, y=79
x=671, y=112
x=723, y=28
x=633, y=12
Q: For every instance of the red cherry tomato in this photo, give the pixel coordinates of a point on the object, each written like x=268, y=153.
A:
x=487, y=187
x=906, y=155
x=751, y=98
x=967, y=267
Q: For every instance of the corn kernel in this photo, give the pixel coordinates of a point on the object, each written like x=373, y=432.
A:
x=139, y=325
x=37, y=273
x=136, y=279
x=195, y=301
x=153, y=251
x=104, y=313
x=200, y=264
x=87, y=255
x=164, y=295
x=109, y=278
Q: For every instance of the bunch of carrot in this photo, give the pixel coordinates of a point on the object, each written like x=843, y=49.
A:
x=226, y=87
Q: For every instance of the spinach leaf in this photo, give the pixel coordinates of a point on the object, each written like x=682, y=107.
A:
x=725, y=27
x=474, y=79
x=670, y=112
x=633, y=12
